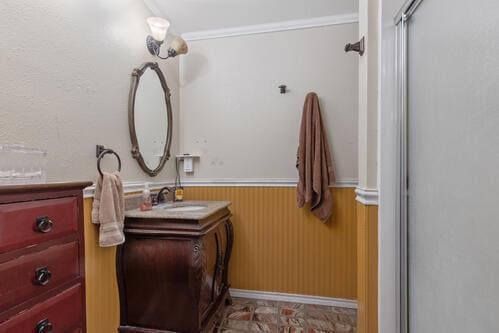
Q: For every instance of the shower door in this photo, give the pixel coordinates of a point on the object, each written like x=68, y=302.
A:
x=449, y=101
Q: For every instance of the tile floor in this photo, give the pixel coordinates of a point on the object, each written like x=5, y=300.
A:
x=251, y=315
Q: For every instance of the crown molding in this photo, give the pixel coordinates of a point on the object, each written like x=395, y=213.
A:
x=137, y=186
x=273, y=27
x=367, y=196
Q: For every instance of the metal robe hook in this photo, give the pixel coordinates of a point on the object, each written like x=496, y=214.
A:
x=358, y=47
x=282, y=88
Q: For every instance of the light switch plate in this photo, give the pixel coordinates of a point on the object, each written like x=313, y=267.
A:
x=188, y=160
x=188, y=164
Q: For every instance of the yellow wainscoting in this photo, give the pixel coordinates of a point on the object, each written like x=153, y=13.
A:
x=281, y=248
x=367, y=318
x=100, y=273
x=278, y=247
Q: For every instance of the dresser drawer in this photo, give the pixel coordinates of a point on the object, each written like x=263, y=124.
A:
x=62, y=312
x=34, y=274
x=28, y=223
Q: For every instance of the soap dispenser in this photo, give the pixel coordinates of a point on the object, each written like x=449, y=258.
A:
x=146, y=203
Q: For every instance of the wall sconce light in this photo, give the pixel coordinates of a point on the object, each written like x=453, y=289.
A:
x=159, y=28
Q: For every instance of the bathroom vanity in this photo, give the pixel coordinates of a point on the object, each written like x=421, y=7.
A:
x=173, y=267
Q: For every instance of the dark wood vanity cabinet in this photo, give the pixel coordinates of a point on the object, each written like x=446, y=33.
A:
x=173, y=273
x=42, y=273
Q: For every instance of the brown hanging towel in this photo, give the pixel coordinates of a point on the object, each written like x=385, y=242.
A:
x=314, y=164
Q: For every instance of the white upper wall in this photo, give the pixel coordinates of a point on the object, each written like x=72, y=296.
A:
x=233, y=115
x=66, y=69
x=198, y=15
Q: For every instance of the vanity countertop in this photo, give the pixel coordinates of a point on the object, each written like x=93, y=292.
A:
x=184, y=210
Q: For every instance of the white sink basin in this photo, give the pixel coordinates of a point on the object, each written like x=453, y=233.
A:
x=186, y=208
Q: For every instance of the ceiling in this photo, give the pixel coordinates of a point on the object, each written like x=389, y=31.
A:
x=199, y=15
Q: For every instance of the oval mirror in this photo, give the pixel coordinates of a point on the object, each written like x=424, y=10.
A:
x=150, y=118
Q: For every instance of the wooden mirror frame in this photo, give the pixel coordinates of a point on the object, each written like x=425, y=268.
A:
x=136, y=154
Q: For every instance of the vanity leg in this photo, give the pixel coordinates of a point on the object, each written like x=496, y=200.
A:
x=230, y=242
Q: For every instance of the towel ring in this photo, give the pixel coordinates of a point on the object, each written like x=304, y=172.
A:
x=105, y=152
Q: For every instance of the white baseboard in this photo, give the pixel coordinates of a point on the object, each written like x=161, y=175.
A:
x=294, y=298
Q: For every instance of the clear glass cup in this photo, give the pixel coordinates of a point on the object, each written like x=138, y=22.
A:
x=37, y=170
x=22, y=165
x=6, y=166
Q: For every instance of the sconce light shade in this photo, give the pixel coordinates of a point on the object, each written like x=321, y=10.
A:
x=159, y=28
x=178, y=46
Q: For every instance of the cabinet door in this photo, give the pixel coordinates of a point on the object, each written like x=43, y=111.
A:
x=208, y=252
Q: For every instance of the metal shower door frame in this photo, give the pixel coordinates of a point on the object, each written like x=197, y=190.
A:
x=402, y=20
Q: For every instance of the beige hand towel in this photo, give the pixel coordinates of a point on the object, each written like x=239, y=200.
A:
x=315, y=167
x=108, y=209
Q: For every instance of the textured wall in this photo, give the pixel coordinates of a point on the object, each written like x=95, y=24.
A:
x=65, y=80
x=235, y=117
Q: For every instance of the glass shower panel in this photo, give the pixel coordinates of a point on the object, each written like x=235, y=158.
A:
x=453, y=166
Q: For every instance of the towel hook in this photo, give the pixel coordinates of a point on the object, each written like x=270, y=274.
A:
x=100, y=152
x=358, y=47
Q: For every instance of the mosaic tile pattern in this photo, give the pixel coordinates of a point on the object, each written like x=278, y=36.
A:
x=252, y=315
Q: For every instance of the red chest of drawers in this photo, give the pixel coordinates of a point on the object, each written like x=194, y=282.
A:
x=42, y=272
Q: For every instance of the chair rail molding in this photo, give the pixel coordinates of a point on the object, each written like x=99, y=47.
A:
x=137, y=186
x=367, y=196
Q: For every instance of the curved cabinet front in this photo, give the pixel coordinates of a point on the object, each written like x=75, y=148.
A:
x=172, y=274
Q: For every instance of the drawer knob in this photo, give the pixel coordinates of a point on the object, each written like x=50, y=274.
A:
x=43, y=224
x=44, y=326
x=42, y=276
